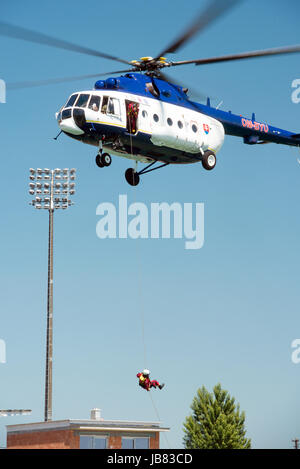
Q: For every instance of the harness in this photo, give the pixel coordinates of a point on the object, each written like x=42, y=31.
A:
x=143, y=381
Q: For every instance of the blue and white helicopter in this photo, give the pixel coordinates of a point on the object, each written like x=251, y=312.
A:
x=144, y=116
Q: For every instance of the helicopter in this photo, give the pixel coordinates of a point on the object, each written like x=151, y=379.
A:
x=143, y=115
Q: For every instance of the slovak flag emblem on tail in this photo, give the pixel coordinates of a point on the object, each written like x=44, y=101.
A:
x=206, y=128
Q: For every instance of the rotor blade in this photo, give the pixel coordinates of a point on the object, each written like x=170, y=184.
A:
x=213, y=10
x=52, y=81
x=18, y=32
x=245, y=55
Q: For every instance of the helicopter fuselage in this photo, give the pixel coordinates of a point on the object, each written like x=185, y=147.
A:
x=168, y=126
x=165, y=131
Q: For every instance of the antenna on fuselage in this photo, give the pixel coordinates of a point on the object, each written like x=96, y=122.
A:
x=55, y=138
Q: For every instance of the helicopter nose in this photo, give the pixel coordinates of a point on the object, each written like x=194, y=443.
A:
x=71, y=120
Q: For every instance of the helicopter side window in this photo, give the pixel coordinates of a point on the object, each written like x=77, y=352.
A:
x=94, y=103
x=110, y=107
x=104, y=104
x=82, y=100
x=113, y=107
x=71, y=100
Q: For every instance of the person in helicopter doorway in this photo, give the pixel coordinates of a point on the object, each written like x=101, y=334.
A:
x=146, y=383
x=132, y=113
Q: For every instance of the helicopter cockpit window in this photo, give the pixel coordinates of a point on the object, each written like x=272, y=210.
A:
x=82, y=100
x=94, y=103
x=66, y=113
x=71, y=100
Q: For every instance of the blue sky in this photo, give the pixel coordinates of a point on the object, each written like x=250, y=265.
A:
x=225, y=313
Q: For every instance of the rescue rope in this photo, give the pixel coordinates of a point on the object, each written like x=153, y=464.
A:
x=154, y=406
x=158, y=417
x=140, y=297
x=140, y=302
x=142, y=315
x=139, y=263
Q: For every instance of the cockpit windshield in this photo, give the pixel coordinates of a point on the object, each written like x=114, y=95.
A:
x=71, y=100
x=82, y=100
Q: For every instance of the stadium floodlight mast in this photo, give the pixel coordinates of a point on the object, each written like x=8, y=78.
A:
x=52, y=189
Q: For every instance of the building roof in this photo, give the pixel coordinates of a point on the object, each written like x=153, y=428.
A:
x=92, y=425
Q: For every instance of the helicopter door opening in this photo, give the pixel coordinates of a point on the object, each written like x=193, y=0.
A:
x=132, y=112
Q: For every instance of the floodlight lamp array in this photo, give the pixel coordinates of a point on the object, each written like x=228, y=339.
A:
x=52, y=188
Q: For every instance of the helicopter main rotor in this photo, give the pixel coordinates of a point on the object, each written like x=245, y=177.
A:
x=148, y=65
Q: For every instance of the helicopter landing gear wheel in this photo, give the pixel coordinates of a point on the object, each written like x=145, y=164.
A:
x=99, y=162
x=106, y=159
x=132, y=177
x=103, y=159
x=209, y=160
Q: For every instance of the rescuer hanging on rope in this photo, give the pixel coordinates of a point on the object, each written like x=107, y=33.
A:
x=146, y=383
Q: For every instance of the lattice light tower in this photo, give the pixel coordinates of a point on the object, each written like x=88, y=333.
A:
x=52, y=189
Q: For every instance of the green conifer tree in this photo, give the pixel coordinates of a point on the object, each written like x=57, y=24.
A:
x=216, y=422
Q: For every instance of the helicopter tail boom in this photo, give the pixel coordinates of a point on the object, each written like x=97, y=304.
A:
x=252, y=131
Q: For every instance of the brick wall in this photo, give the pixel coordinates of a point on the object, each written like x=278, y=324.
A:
x=51, y=439
x=62, y=439
x=154, y=441
x=114, y=441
